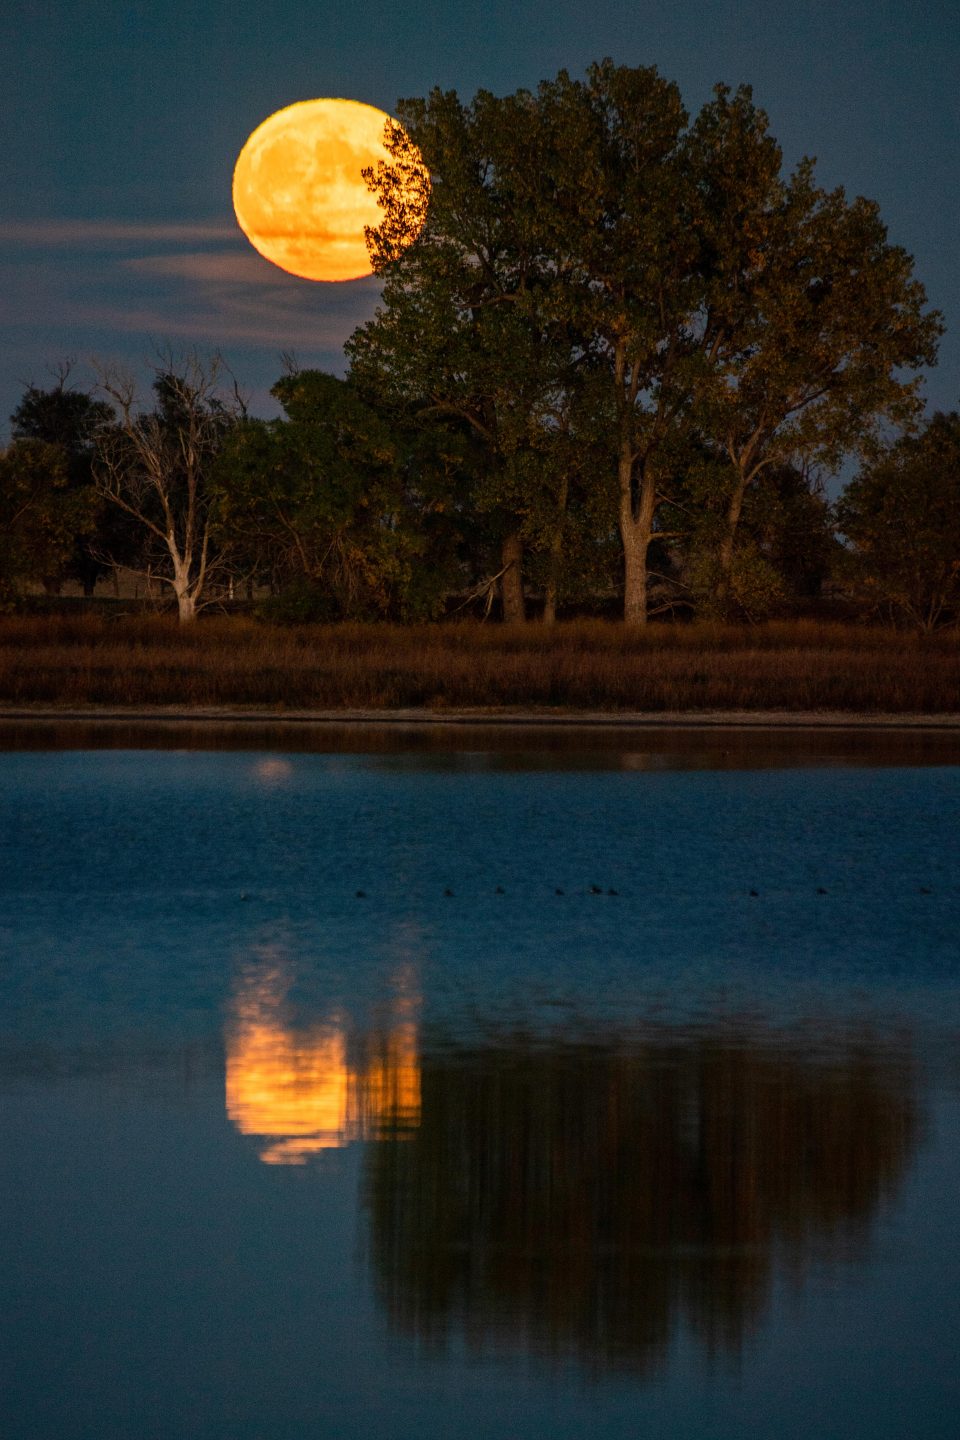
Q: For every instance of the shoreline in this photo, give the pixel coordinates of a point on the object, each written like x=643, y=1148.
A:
x=500, y=718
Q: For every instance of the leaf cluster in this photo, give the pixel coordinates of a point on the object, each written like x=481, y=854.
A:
x=901, y=517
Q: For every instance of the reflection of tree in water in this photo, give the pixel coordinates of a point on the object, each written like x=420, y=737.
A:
x=583, y=1200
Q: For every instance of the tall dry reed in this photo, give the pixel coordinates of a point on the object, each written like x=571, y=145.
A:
x=580, y=665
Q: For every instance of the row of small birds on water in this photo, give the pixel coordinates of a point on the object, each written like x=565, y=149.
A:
x=499, y=890
x=591, y=890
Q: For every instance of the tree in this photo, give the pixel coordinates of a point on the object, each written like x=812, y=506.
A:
x=785, y=545
x=901, y=516
x=810, y=315
x=70, y=419
x=626, y=277
x=41, y=515
x=461, y=334
x=566, y=222
x=587, y=237
x=567, y=507
x=334, y=504
x=156, y=466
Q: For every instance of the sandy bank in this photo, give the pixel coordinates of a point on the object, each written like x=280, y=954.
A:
x=499, y=718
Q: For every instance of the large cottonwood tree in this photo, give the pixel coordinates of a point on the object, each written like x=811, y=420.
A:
x=813, y=321
x=462, y=334
x=588, y=231
x=627, y=279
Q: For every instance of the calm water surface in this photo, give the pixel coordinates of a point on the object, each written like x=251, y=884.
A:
x=623, y=1099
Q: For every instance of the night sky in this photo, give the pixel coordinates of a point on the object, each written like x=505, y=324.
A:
x=122, y=123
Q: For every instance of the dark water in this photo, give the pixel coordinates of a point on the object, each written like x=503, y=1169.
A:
x=280, y=1160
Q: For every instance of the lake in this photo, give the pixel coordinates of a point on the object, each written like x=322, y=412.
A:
x=601, y=1088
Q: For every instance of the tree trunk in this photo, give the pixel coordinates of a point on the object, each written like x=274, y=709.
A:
x=637, y=506
x=556, y=555
x=184, y=591
x=550, y=600
x=553, y=577
x=511, y=581
x=734, y=510
x=725, y=548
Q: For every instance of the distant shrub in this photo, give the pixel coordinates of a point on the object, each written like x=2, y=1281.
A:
x=299, y=603
x=753, y=590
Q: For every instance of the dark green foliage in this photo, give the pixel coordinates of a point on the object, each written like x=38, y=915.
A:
x=70, y=420
x=783, y=548
x=615, y=362
x=901, y=516
x=333, y=506
x=41, y=514
x=299, y=601
x=584, y=240
x=468, y=331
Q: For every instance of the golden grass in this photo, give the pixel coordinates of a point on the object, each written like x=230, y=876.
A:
x=580, y=665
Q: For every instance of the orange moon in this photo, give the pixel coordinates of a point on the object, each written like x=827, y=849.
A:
x=298, y=191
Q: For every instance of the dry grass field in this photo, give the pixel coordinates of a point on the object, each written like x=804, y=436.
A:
x=582, y=665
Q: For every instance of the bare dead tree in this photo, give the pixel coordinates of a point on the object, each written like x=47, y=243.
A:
x=155, y=465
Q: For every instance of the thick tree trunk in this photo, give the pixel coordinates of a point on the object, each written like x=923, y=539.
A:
x=185, y=593
x=634, y=575
x=637, y=506
x=511, y=581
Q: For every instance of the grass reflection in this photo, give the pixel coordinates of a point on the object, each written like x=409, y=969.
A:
x=584, y=1200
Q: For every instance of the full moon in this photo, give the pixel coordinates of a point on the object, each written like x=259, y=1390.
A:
x=298, y=191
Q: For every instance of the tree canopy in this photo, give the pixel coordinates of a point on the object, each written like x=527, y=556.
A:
x=70, y=419
x=587, y=238
x=335, y=504
x=901, y=514
x=615, y=364
x=42, y=516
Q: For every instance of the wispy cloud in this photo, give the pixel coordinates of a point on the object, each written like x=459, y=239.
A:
x=218, y=298
x=94, y=233
x=217, y=266
x=224, y=321
x=119, y=288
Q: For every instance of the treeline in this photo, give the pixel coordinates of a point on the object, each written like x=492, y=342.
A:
x=611, y=371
